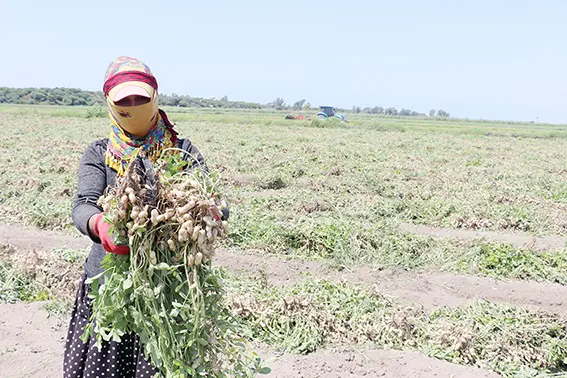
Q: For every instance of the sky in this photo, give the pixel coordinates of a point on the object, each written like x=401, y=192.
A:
x=497, y=59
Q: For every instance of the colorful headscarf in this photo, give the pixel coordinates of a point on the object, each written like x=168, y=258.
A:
x=122, y=145
x=124, y=69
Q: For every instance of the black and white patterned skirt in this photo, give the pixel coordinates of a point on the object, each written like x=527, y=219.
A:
x=118, y=360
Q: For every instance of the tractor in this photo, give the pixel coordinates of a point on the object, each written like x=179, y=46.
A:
x=328, y=111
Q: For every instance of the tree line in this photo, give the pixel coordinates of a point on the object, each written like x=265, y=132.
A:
x=391, y=111
x=79, y=97
x=280, y=104
x=50, y=96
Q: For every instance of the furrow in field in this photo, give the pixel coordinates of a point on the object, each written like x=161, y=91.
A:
x=517, y=239
x=428, y=289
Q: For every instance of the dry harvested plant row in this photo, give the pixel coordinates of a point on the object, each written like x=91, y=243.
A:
x=317, y=313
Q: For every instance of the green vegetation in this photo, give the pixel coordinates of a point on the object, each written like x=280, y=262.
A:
x=338, y=193
x=311, y=314
x=502, y=260
x=15, y=287
x=34, y=276
x=70, y=255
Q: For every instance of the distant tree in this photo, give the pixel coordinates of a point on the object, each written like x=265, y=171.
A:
x=432, y=113
x=307, y=106
x=405, y=112
x=377, y=110
x=279, y=103
x=443, y=114
x=39, y=96
x=299, y=104
x=98, y=98
x=184, y=102
x=68, y=100
x=174, y=100
x=357, y=110
x=391, y=111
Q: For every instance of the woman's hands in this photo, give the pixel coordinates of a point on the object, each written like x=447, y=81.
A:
x=100, y=228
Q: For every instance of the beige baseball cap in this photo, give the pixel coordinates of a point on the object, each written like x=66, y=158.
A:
x=131, y=88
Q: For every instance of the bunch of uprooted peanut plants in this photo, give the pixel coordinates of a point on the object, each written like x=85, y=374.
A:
x=166, y=290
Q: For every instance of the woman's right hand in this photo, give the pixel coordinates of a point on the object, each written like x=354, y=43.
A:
x=101, y=229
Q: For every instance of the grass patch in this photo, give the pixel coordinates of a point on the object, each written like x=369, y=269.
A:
x=312, y=314
x=274, y=183
x=15, y=287
x=348, y=244
x=59, y=308
x=337, y=192
x=71, y=255
x=38, y=276
x=329, y=123
x=502, y=260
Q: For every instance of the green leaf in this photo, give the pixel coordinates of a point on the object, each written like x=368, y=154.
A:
x=162, y=266
x=158, y=290
x=127, y=284
x=87, y=333
x=116, y=336
x=93, y=279
x=265, y=370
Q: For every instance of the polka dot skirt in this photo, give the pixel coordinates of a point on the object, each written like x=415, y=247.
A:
x=118, y=360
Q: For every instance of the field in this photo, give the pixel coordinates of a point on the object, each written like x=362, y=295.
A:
x=384, y=246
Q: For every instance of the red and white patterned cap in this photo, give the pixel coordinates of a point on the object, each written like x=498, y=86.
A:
x=127, y=76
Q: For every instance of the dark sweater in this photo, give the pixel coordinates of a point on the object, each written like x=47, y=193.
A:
x=94, y=177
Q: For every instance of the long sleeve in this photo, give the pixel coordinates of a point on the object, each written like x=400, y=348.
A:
x=192, y=154
x=91, y=185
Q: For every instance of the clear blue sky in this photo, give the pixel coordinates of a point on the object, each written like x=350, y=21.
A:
x=498, y=59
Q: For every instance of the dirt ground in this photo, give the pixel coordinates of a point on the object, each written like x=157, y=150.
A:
x=31, y=346
x=31, y=343
x=517, y=239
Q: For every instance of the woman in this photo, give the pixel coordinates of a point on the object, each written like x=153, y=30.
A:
x=137, y=125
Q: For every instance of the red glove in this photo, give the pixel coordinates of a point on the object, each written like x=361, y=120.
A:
x=101, y=229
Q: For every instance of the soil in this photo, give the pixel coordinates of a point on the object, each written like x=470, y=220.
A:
x=520, y=240
x=31, y=342
x=31, y=346
x=30, y=239
x=243, y=179
x=367, y=363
